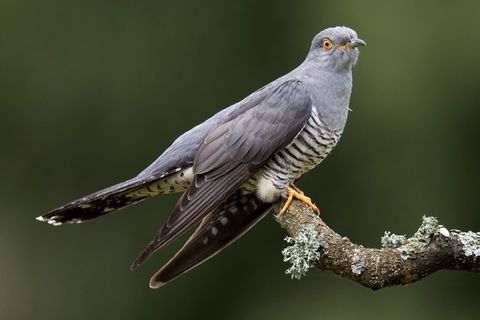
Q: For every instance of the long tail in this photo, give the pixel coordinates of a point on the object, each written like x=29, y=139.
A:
x=110, y=199
x=216, y=231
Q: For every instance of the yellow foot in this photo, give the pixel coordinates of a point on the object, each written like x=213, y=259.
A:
x=296, y=193
x=294, y=187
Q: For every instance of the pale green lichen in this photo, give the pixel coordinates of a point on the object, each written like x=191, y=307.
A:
x=471, y=243
x=428, y=228
x=420, y=239
x=303, y=251
x=358, y=268
x=391, y=240
x=358, y=263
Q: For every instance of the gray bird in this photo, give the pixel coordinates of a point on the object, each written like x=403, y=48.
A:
x=235, y=165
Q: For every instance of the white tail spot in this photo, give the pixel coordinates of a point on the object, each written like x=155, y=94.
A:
x=214, y=231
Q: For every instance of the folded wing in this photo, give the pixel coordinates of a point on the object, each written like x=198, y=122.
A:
x=233, y=150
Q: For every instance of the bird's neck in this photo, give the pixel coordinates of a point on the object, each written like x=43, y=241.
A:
x=331, y=94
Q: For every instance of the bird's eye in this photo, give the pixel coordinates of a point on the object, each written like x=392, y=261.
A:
x=327, y=44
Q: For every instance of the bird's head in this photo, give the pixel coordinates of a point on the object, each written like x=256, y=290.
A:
x=335, y=48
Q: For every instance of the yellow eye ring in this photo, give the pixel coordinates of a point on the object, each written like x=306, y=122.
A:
x=327, y=43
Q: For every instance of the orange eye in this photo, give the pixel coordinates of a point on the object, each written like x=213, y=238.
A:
x=327, y=44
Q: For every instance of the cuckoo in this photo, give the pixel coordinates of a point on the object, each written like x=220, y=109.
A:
x=235, y=165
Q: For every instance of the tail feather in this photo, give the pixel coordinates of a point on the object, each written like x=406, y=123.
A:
x=108, y=200
x=216, y=231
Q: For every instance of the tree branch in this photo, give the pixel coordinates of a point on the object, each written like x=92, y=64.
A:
x=401, y=261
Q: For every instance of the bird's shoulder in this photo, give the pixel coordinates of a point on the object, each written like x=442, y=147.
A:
x=283, y=92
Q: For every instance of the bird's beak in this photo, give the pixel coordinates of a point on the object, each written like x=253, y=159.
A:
x=353, y=43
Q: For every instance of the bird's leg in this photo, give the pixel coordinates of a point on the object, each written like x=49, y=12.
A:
x=294, y=187
x=296, y=193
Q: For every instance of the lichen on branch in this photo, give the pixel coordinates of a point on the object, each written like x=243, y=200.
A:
x=303, y=251
x=401, y=260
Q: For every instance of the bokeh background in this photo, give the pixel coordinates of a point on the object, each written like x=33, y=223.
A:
x=93, y=90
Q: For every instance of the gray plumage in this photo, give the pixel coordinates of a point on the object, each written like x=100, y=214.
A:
x=233, y=166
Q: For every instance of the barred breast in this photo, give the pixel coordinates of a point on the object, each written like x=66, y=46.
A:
x=306, y=151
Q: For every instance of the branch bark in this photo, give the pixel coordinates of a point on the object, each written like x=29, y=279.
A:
x=431, y=248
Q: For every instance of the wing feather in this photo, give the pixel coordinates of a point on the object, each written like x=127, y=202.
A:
x=233, y=150
x=217, y=230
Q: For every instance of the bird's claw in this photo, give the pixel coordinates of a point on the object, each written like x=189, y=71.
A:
x=294, y=192
x=294, y=187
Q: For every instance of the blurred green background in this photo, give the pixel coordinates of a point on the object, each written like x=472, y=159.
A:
x=93, y=90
